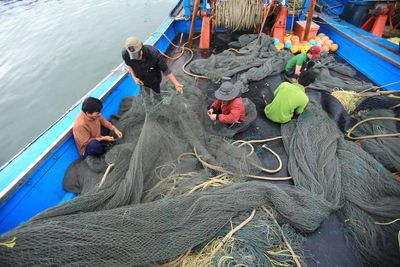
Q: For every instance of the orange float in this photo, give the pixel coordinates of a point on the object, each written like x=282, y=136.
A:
x=334, y=47
x=325, y=48
x=328, y=42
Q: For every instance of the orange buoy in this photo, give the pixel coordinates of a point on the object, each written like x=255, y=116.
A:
x=325, y=48
x=295, y=38
x=334, y=47
x=328, y=42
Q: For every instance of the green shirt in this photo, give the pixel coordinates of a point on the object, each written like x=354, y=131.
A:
x=297, y=60
x=289, y=98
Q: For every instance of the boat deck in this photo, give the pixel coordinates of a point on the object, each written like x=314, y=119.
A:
x=327, y=246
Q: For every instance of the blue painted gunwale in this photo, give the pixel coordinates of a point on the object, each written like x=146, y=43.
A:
x=32, y=180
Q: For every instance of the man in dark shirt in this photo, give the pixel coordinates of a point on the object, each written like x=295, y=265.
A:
x=145, y=63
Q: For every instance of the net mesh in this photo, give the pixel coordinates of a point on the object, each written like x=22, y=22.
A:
x=356, y=185
x=175, y=185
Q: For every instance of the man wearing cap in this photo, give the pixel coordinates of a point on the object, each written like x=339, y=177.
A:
x=289, y=99
x=228, y=108
x=299, y=62
x=145, y=63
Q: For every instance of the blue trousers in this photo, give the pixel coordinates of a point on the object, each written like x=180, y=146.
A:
x=94, y=148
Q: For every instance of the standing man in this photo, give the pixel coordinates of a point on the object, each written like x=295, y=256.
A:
x=299, y=62
x=145, y=63
x=87, y=129
x=289, y=99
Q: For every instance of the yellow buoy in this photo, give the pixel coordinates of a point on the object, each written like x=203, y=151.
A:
x=305, y=48
x=334, y=47
x=294, y=49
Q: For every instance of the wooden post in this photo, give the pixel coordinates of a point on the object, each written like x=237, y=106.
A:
x=309, y=19
x=194, y=15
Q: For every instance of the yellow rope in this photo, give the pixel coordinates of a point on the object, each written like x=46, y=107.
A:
x=227, y=237
x=220, y=169
x=9, y=244
x=249, y=143
x=295, y=257
x=183, y=49
x=388, y=223
x=349, y=132
x=376, y=87
x=106, y=174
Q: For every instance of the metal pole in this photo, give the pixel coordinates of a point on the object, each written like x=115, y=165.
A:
x=309, y=19
x=194, y=15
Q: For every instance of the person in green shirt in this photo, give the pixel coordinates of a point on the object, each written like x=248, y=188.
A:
x=299, y=62
x=289, y=98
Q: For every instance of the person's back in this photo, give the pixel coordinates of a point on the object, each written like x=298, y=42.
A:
x=289, y=99
x=299, y=62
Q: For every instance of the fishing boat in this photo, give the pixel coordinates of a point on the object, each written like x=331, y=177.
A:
x=31, y=181
x=382, y=57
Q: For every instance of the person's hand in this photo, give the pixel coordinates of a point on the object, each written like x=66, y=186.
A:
x=138, y=81
x=213, y=117
x=179, y=88
x=107, y=138
x=118, y=132
x=210, y=111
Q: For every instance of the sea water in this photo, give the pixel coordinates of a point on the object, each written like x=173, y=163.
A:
x=52, y=52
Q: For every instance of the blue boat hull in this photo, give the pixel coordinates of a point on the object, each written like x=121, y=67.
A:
x=374, y=57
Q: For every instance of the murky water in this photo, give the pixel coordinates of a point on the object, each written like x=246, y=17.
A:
x=53, y=52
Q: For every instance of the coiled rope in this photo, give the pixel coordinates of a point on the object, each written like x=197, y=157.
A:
x=239, y=14
x=373, y=135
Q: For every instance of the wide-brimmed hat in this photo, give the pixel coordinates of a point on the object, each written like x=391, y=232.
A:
x=315, y=51
x=133, y=45
x=227, y=91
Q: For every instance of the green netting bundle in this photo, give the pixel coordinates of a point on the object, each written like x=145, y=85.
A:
x=357, y=185
x=256, y=59
x=386, y=150
x=332, y=75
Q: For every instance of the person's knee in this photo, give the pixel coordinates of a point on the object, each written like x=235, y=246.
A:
x=94, y=148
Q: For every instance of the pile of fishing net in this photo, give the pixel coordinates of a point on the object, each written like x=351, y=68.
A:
x=332, y=75
x=364, y=193
x=386, y=149
x=175, y=192
x=169, y=187
x=256, y=59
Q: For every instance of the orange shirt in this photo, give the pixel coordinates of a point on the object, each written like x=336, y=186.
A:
x=86, y=130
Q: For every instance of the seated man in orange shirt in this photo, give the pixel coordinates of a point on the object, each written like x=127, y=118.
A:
x=87, y=129
x=229, y=107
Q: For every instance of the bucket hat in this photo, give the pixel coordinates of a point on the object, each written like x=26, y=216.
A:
x=227, y=91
